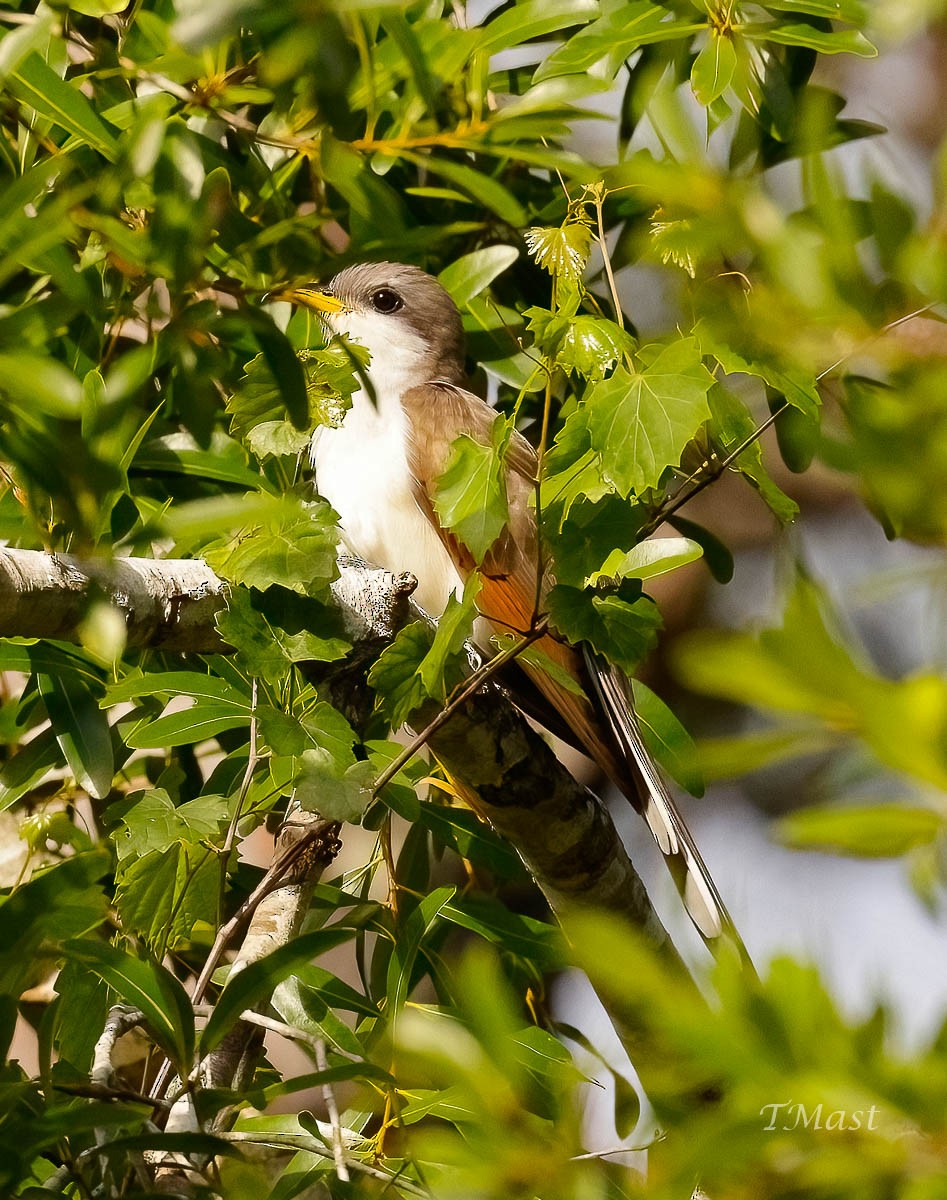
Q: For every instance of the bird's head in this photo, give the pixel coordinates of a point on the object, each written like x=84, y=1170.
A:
x=402, y=316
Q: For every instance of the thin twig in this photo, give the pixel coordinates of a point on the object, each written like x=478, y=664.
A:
x=606, y=260
x=229, y=930
x=476, y=680
x=338, y=1149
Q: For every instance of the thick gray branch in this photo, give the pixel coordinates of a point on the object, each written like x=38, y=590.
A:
x=562, y=832
x=169, y=604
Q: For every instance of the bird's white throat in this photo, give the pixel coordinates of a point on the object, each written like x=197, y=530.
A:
x=362, y=470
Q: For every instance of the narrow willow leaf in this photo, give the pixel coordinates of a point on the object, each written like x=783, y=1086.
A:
x=468, y=275
x=866, y=831
x=81, y=729
x=35, y=83
x=148, y=986
x=713, y=69
x=258, y=980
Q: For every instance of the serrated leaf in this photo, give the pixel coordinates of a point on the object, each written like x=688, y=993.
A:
x=265, y=649
x=394, y=674
x=562, y=250
x=164, y=894
x=641, y=422
x=624, y=631
x=335, y=792
x=438, y=668
x=153, y=822
x=470, y=496
x=294, y=546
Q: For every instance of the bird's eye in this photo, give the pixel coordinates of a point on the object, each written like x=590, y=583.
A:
x=386, y=301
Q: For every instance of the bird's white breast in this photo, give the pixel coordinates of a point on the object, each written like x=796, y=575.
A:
x=362, y=470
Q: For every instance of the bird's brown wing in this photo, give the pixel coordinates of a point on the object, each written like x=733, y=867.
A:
x=437, y=414
x=510, y=571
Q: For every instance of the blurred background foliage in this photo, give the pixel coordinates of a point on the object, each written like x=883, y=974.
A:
x=654, y=218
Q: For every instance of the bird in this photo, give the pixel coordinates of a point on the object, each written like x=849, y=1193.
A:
x=378, y=468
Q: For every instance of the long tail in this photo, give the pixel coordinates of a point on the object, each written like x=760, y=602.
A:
x=651, y=797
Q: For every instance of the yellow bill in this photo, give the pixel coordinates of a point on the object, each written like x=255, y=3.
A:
x=310, y=297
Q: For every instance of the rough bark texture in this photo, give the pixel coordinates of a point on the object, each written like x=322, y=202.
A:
x=167, y=604
x=561, y=831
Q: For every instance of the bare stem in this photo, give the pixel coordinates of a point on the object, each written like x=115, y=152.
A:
x=338, y=1149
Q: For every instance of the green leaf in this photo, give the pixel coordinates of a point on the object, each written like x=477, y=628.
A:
x=154, y=822
x=162, y=895
x=825, y=41
x=81, y=729
x=852, y=11
x=148, y=986
x=257, y=980
x=533, y=19
x=438, y=669
x=713, y=68
x=806, y=667
x=394, y=674
x=641, y=422
x=284, y=365
x=203, y=720
x=470, y=496
x=176, y=683
x=98, y=8
x=468, y=275
x=562, y=250
x=535, y=941
x=422, y=920
x=336, y=791
x=488, y=191
x=373, y=202
x=21, y=773
x=37, y=84
x=266, y=649
x=731, y=757
x=179, y=453
x=614, y=37
x=294, y=546
x=654, y=557
x=62, y=901
x=29, y=382
x=469, y=837
x=718, y=558
x=623, y=631
x=869, y=831
x=731, y=426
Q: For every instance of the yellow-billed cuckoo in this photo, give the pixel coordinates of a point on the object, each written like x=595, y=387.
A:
x=378, y=469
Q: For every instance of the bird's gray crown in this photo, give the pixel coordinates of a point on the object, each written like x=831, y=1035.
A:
x=407, y=295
